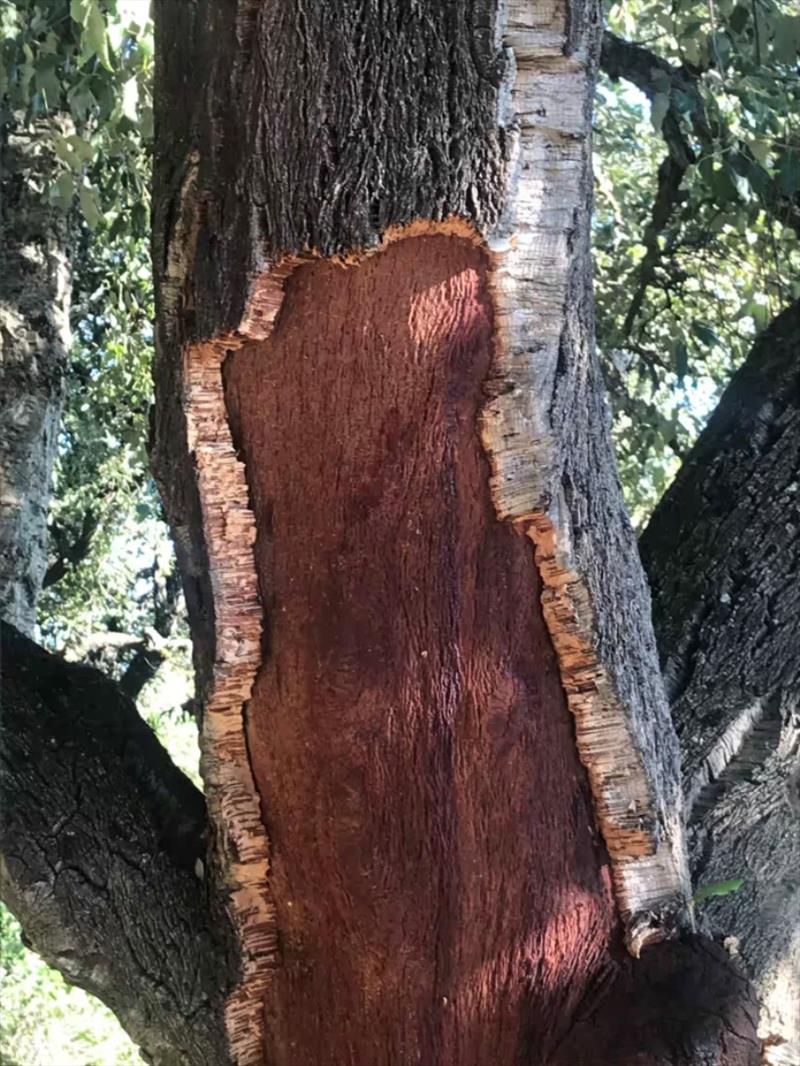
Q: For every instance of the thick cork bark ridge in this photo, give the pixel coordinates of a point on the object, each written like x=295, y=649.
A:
x=541, y=372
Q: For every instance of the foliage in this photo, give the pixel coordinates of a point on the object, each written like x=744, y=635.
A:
x=92, y=61
x=725, y=259
x=102, y=484
x=717, y=889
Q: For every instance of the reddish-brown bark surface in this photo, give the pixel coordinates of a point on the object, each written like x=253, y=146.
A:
x=441, y=894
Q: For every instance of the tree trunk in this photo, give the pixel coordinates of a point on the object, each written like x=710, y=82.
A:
x=723, y=554
x=383, y=445
x=34, y=341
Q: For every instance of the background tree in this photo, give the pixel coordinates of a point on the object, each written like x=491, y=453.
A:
x=660, y=405
x=76, y=99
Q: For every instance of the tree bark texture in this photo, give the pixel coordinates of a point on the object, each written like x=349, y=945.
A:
x=35, y=287
x=722, y=551
x=99, y=839
x=383, y=445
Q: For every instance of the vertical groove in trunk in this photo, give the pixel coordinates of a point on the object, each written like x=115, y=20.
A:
x=34, y=343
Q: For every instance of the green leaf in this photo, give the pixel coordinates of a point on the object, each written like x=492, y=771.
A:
x=65, y=153
x=79, y=11
x=94, y=39
x=659, y=109
x=693, y=51
x=718, y=888
x=90, y=205
x=62, y=191
x=760, y=147
x=82, y=148
x=705, y=334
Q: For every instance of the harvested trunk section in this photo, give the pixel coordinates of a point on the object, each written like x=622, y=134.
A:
x=432, y=849
x=451, y=141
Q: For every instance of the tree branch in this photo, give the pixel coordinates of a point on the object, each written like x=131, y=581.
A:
x=99, y=848
x=722, y=552
x=151, y=647
x=71, y=550
x=651, y=75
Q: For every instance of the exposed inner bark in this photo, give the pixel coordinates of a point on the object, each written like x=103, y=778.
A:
x=440, y=891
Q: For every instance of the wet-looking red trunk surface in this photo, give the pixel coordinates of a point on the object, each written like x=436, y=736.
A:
x=439, y=888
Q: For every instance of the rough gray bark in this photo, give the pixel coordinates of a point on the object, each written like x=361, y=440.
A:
x=100, y=835
x=722, y=551
x=34, y=342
